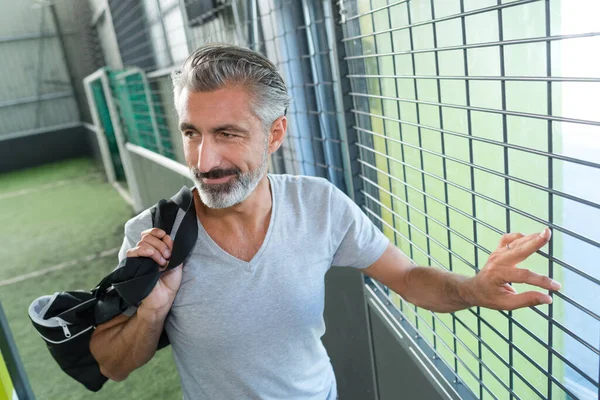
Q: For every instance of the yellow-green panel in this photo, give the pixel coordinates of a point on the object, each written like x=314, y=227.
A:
x=485, y=94
x=426, y=325
x=455, y=120
x=490, y=156
x=497, y=360
x=484, y=61
x=458, y=197
x=451, y=62
x=467, y=353
x=474, y=23
x=458, y=147
x=419, y=11
x=558, y=393
x=6, y=386
x=445, y=337
x=390, y=107
x=453, y=92
x=526, y=21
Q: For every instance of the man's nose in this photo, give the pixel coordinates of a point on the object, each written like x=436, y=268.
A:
x=208, y=155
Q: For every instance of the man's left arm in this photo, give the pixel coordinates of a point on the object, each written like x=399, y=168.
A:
x=442, y=291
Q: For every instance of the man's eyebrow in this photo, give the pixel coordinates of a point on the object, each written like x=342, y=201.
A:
x=184, y=126
x=230, y=128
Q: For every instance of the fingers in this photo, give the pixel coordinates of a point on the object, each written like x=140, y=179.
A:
x=521, y=275
x=168, y=241
x=523, y=239
x=516, y=239
x=522, y=248
x=526, y=299
x=157, y=244
x=509, y=288
x=145, y=250
x=159, y=233
x=509, y=238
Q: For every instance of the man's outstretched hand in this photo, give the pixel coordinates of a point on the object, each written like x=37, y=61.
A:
x=491, y=286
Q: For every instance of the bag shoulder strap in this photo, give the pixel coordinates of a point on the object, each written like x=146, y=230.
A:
x=163, y=217
x=187, y=234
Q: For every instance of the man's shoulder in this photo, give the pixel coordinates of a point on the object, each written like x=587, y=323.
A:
x=301, y=182
x=140, y=222
x=143, y=220
x=308, y=193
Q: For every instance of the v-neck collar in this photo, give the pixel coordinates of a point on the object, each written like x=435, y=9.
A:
x=249, y=265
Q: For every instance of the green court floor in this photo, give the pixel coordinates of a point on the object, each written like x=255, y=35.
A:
x=51, y=215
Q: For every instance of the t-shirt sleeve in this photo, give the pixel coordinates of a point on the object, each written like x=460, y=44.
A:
x=357, y=241
x=133, y=232
x=127, y=244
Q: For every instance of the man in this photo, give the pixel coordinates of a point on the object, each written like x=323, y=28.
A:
x=244, y=313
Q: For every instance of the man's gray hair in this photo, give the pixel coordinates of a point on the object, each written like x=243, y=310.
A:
x=214, y=66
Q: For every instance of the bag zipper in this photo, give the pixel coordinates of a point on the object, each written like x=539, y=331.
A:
x=66, y=340
x=65, y=329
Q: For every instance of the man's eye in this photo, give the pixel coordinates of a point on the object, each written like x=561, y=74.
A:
x=227, y=135
x=189, y=133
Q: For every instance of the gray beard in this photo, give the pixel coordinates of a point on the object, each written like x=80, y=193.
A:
x=231, y=193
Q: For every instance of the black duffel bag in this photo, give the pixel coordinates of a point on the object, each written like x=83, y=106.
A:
x=66, y=320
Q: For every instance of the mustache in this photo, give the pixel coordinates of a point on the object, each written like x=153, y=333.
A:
x=216, y=173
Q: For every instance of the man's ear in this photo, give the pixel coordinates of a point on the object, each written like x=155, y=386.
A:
x=277, y=133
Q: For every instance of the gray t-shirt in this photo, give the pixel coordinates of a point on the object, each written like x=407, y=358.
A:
x=252, y=330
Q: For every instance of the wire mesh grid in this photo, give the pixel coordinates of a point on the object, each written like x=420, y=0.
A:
x=295, y=35
x=36, y=91
x=474, y=119
x=151, y=37
x=150, y=33
x=299, y=48
x=142, y=112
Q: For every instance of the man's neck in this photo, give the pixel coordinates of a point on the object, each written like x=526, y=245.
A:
x=250, y=213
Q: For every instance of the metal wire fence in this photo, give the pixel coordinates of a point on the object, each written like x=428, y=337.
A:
x=36, y=91
x=475, y=120
x=142, y=113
